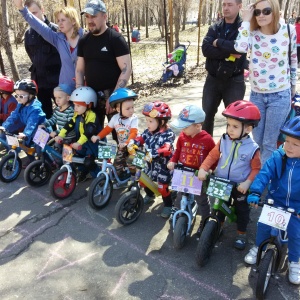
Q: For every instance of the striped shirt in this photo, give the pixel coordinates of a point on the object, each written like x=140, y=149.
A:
x=60, y=118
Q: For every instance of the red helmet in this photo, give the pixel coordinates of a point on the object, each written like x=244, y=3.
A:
x=157, y=110
x=6, y=84
x=244, y=111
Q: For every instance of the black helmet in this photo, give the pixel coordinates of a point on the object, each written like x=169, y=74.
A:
x=292, y=128
x=26, y=85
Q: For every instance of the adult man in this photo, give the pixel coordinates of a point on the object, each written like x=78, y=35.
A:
x=103, y=57
x=292, y=19
x=45, y=59
x=225, y=66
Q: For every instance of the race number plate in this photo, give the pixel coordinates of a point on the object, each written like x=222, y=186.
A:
x=187, y=182
x=274, y=217
x=41, y=137
x=12, y=141
x=67, y=153
x=107, y=151
x=139, y=159
x=219, y=189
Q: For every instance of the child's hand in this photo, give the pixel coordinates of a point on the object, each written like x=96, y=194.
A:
x=58, y=139
x=53, y=134
x=243, y=187
x=122, y=145
x=41, y=126
x=95, y=138
x=171, y=165
x=21, y=136
x=202, y=174
x=253, y=199
x=148, y=157
x=131, y=148
x=76, y=146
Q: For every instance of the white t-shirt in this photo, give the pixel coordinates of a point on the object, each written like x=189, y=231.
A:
x=123, y=126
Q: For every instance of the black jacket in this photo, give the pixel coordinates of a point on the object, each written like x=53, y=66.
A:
x=45, y=59
x=215, y=55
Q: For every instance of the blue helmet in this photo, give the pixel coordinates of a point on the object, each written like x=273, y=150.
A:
x=292, y=128
x=120, y=95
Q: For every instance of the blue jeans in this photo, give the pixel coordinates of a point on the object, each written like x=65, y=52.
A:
x=214, y=91
x=274, y=109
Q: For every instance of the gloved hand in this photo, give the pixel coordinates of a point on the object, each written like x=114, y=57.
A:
x=131, y=147
x=148, y=157
x=253, y=198
x=165, y=150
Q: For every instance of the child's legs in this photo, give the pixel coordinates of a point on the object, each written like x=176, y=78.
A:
x=163, y=188
x=120, y=160
x=294, y=239
x=263, y=232
x=204, y=206
x=242, y=210
x=148, y=192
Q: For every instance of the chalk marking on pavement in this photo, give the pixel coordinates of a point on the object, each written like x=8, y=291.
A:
x=119, y=284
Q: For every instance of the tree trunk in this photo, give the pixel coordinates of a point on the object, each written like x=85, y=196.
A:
x=2, y=64
x=146, y=19
x=6, y=42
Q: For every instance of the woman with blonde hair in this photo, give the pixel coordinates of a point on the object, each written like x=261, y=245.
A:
x=272, y=71
x=65, y=40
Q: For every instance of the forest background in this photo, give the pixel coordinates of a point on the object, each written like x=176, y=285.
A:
x=163, y=24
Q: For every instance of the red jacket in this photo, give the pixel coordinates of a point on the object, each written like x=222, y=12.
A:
x=297, y=26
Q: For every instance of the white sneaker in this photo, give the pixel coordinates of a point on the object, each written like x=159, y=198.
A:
x=294, y=272
x=250, y=258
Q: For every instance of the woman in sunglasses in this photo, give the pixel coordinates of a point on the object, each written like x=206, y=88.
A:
x=273, y=72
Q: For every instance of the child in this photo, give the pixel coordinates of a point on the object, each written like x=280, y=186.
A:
x=158, y=139
x=238, y=160
x=8, y=102
x=193, y=145
x=85, y=123
x=28, y=113
x=281, y=174
x=63, y=113
x=126, y=125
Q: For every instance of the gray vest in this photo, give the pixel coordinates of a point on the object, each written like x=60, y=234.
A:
x=235, y=158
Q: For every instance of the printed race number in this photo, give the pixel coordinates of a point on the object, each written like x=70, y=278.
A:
x=274, y=217
x=139, y=159
x=107, y=151
x=187, y=182
x=219, y=188
x=41, y=137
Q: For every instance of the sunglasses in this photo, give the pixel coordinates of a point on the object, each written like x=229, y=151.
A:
x=266, y=11
x=21, y=96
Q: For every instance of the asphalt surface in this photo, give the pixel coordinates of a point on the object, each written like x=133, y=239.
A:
x=52, y=249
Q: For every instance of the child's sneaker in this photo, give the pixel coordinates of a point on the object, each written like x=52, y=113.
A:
x=124, y=175
x=149, y=199
x=294, y=272
x=166, y=213
x=117, y=186
x=250, y=258
x=82, y=176
x=240, y=241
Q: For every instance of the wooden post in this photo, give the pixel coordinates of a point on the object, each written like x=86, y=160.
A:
x=171, y=26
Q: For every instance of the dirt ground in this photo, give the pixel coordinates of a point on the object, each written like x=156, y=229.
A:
x=148, y=57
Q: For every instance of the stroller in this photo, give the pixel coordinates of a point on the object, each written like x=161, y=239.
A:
x=174, y=68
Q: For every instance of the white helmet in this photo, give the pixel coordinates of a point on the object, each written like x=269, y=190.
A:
x=84, y=94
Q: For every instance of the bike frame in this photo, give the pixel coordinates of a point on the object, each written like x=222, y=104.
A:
x=68, y=166
x=187, y=208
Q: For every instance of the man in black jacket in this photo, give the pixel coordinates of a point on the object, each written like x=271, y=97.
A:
x=225, y=66
x=45, y=59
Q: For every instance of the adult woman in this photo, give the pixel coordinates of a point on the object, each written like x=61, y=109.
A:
x=65, y=40
x=272, y=79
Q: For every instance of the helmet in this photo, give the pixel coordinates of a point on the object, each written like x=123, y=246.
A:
x=243, y=111
x=157, y=110
x=120, y=95
x=26, y=85
x=6, y=84
x=84, y=94
x=292, y=128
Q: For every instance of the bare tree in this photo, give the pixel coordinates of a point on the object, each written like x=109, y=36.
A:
x=5, y=41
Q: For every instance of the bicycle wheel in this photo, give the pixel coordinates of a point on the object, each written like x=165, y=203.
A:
x=96, y=198
x=206, y=242
x=179, y=234
x=37, y=173
x=264, y=273
x=10, y=168
x=129, y=208
x=58, y=186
